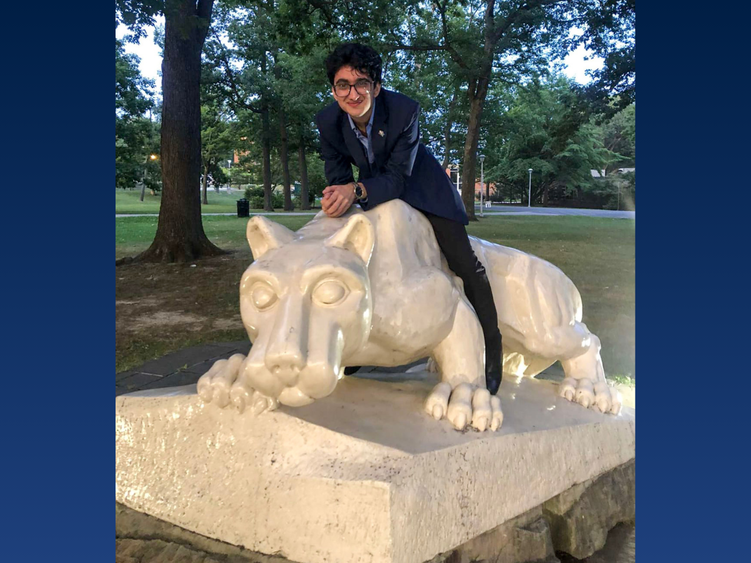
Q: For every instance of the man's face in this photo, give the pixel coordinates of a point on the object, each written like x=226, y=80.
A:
x=359, y=101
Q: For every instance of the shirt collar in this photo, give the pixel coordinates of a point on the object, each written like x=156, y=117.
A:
x=370, y=121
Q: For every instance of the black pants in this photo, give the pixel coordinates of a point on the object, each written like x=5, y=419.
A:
x=454, y=243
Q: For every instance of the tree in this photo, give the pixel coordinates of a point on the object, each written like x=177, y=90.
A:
x=248, y=26
x=180, y=235
x=510, y=42
x=609, y=32
x=217, y=142
x=218, y=134
x=541, y=130
x=618, y=135
x=134, y=134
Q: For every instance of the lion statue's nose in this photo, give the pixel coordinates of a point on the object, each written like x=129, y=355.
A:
x=286, y=368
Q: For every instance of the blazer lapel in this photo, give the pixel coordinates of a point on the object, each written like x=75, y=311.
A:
x=379, y=132
x=355, y=147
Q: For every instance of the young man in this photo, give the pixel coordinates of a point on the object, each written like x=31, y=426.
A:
x=378, y=131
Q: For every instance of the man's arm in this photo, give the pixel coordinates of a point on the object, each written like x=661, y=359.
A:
x=390, y=184
x=337, y=167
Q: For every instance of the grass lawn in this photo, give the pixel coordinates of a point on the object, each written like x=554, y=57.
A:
x=129, y=202
x=165, y=307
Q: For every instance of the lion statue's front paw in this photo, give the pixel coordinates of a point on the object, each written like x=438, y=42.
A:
x=223, y=384
x=465, y=404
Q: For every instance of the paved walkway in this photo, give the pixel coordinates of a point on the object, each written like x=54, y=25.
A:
x=495, y=210
x=183, y=367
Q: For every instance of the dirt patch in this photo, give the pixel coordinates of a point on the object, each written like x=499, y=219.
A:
x=162, y=319
x=228, y=324
x=147, y=302
x=161, y=308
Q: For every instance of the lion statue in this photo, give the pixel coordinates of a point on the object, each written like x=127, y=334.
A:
x=372, y=288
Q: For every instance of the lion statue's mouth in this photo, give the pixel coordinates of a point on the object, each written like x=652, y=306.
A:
x=293, y=397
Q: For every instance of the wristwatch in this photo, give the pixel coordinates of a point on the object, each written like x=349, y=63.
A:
x=358, y=190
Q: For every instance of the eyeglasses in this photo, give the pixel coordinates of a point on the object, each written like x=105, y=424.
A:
x=362, y=87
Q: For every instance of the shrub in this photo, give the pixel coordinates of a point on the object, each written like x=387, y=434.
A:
x=297, y=200
x=254, y=195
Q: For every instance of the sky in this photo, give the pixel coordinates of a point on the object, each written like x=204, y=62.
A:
x=151, y=60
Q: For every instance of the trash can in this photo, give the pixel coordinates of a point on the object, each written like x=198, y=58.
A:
x=243, y=208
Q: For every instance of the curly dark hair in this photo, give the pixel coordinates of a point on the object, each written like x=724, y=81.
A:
x=358, y=56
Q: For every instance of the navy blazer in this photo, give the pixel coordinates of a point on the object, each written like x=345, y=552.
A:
x=403, y=168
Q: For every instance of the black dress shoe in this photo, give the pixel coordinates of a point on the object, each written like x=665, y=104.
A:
x=351, y=369
x=493, y=366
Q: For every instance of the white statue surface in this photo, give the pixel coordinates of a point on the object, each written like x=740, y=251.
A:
x=372, y=288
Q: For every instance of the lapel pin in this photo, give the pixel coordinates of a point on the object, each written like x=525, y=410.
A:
x=381, y=133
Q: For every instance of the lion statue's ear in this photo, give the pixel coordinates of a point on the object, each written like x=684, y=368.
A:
x=357, y=235
x=264, y=235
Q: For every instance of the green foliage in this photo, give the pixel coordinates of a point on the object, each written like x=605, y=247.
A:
x=271, y=56
x=618, y=135
x=609, y=32
x=297, y=200
x=136, y=136
x=254, y=195
x=541, y=130
x=132, y=91
x=218, y=136
x=137, y=14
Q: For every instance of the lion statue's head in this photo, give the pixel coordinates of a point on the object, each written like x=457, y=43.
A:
x=306, y=304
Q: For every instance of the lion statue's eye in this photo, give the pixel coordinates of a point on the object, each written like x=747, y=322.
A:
x=262, y=296
x=330, y=292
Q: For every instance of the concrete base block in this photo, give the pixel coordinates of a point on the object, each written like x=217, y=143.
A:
x=581, y=517
x=361, y=476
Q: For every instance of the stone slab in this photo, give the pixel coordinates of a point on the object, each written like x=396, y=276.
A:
x=361, y=476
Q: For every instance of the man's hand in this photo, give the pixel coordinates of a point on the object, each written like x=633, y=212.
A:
x=337, y=199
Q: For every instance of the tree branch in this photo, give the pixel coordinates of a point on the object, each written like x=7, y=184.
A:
x=426, y=47
x=203, y=11
x=204, y=8
x=324, y=8
x=232, y=83
x=455, y=56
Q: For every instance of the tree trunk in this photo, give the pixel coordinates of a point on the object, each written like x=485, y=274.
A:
x=268, y=204
x=180, y=236
x=284, y=155
x=304, y=194
x=205, y=200
x=447, y=130
x=283, y=143
x=266, y=144
x=477, y=91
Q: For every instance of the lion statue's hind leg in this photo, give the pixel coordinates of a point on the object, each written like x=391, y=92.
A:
x=585, y=381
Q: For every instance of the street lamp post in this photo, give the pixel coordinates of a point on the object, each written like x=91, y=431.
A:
x=458, y=185
x=529, y=193
x=482, y=182
x=143, y=174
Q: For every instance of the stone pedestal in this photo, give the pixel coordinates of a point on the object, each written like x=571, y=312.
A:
x=361, y=476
